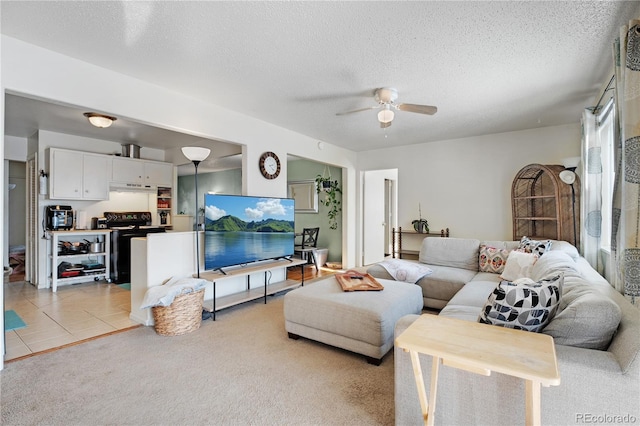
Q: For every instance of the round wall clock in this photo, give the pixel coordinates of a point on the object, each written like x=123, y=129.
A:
x=269, y=165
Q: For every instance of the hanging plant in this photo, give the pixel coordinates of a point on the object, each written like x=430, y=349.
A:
x=332, y=198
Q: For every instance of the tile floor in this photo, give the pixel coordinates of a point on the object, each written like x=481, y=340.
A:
x=74, y=313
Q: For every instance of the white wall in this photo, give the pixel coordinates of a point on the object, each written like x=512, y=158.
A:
x=465, y=184
x=36, y=72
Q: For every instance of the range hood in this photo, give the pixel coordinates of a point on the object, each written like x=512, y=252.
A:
x=132, y=187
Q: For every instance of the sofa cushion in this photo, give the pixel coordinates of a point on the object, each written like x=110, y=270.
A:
x=587, y=318
x=524, y=304
x=534, y=246
x=503, y=245
x=552, y=263
x=453, y=252
x=444, y=282
x=473, y=295
x=568, y=248
x=492, y=259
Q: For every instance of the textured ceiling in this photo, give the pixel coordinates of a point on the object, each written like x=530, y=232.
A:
x=489, y=67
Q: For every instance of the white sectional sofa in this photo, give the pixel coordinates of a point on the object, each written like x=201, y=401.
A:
x=596, y=334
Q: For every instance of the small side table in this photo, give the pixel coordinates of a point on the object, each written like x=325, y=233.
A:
x=480, y=348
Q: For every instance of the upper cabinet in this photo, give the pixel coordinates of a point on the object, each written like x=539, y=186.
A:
x=157, y=173
x=78, y=175
x=544, y=207
x=143, y=172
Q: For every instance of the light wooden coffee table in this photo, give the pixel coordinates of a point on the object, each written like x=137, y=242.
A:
x=480, y=348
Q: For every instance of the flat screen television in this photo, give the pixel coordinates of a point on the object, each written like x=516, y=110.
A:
x=243, y=229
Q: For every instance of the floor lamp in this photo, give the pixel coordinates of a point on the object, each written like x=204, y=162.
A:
x=196, y=154
x=568, y=176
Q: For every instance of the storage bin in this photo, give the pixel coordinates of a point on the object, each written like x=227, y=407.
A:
x=182, y=316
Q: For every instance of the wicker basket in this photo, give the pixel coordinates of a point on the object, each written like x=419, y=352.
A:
x=182, y=316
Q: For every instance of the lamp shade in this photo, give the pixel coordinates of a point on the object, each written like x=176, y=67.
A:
x=568, y=177
x=196, y=153
x=99, y=120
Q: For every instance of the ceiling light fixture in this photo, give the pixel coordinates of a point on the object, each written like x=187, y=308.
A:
x=99, y=120
x=386, y=115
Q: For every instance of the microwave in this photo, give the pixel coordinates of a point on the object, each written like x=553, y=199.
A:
x=59, y=218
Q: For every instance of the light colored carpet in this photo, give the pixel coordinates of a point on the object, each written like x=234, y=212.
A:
x=240, y=369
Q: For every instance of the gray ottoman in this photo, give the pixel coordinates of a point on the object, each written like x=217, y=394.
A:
x=358, y=321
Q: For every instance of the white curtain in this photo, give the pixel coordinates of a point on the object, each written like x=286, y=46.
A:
x=595, y=208
x=625, y=241
x=591, y=208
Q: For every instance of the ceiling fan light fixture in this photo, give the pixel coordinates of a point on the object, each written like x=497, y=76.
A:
x=385, y=115
x=99, y=120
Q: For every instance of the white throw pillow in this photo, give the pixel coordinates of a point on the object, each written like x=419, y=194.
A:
x=518, y=265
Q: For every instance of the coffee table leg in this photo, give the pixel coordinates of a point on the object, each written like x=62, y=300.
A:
x=532, y=395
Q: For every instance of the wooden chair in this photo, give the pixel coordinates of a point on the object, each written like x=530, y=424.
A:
x=307, y=247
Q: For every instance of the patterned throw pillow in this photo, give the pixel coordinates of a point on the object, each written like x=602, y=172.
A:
x=534, y=246
x=492, y=259
x=523, y=304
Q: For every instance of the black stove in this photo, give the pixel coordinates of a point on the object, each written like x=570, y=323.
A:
x=125, y=226
x=127, y=219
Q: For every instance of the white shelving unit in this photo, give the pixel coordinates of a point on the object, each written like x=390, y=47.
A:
x=219, y=303
x=163, y=206
x=79, y=236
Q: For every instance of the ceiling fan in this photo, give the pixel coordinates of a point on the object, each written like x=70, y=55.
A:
x=386, y=98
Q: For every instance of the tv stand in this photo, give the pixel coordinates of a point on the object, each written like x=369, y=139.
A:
x=221, y=271
x=218, y=276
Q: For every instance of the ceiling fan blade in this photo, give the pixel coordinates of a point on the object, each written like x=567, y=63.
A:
x=358, y=110
x=385, y=125
x=421, y=109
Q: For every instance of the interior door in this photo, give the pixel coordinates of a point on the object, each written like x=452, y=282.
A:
x=374, y=214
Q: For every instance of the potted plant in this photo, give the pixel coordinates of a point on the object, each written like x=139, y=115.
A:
x=420, y=225
x=331, y=199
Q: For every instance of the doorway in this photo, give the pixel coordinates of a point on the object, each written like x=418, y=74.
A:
x=379, y=213
x=15, y=244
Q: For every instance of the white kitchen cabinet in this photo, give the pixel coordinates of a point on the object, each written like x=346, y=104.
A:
x=127, y=170
x=131, y=170
x=158, y=173
x=78, y=175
